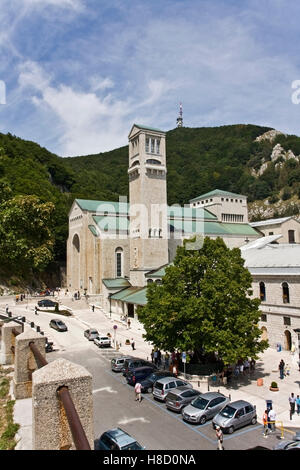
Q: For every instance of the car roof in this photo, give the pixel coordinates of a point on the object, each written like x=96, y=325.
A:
x=239, y=404
x=211, y=395
x=120, y=436
x=166, y=380
x=179, y=390
x=140, y=369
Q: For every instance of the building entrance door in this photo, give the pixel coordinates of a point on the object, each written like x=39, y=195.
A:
x=287, y=340
x=130, y=310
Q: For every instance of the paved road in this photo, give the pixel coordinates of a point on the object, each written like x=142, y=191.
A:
x=150, y=422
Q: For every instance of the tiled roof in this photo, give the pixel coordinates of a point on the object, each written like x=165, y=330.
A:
x=217, y=192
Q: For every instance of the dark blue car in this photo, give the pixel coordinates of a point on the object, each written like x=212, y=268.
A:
x=138, y=374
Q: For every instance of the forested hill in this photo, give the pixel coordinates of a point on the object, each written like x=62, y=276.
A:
x=266, y=169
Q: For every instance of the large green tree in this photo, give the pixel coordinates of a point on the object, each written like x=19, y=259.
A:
x=26, y=240
x=204, y=304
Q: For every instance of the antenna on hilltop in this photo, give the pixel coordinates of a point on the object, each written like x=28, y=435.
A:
x=179, y=119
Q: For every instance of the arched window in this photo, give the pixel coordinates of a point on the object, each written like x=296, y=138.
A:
x=76, y=242
x=152, y=161
x=285, y=293
x=136, y=162
x=119, y=262
x=149, y=281
x=262, y=291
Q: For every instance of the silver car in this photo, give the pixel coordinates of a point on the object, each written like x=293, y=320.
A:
x=91, y=334
x=235, y=415
x=163, y=386
x=180, y=397
x=204, y=407
x=117, y=363
x=102, y=341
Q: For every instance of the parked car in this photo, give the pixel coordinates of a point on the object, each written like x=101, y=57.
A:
x=102, y=341
x=147, y=384
x=204, y=407
x=291, y=444
x=58, y=325
x=46, y=303
x=133, y=363
x=165, y=385
x=235, y=415
x=138, y=374
x=117, y=363
x=180, y=397
x=91, y=334
x=117, y=439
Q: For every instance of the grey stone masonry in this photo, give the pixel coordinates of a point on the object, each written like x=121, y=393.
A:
x=25, y=363
x=48, y=413
x=7, y=340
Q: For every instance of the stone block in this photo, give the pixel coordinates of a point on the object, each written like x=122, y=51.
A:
x=48, y=411
x=25, y=362
x=7, y=340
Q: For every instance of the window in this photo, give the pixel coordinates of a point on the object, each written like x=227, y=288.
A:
x=119, y=262
x=271, y=233
x=291, y=236
x=263, y=317
x=285, y=293
x=262, y=291
x=287, y=321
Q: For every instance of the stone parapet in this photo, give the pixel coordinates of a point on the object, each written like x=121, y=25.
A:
x=48, y=412
x=25, y=362
x=7, y=340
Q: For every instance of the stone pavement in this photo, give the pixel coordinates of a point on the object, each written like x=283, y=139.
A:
x=245, y=388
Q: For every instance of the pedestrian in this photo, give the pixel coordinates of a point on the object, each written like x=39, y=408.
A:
x=138, y=391
x=298, y=405
x=265, y=423
x=132, y=344
x=292, y=401
x=246, y=366
x=35, y=310
x=175, y=372
x=167, y=358
x=219, y=435
x=286, y=370
x=281, y=368
x=152, y=355
x=159, y=358
x=271, y=419
x=6, y=309
x=252, y=365
x=155, y=355
x=128, y=324
x=93, y=308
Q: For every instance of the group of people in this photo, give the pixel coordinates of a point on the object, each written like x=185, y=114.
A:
x=269, y=419
x=167, y=361
x=20, y=297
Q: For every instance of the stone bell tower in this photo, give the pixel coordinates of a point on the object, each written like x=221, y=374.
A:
x=148, y=202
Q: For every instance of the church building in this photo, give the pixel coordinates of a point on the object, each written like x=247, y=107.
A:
x=115, y=249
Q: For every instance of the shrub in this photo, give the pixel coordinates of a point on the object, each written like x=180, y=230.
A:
x=274, y=385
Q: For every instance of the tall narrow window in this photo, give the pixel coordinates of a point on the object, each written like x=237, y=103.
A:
x=285, y=293
x=262, y=291
x=291, y=236
x=147, y=144
x=119, y=262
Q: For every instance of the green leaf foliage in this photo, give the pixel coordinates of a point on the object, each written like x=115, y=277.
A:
x=204, y=304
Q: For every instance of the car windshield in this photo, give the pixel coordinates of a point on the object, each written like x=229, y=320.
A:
x=132, y=446
x=104, y=338
x=93, y=332
x=228, y=412
x=159, y=386
x=200, y=403
x=60, y=323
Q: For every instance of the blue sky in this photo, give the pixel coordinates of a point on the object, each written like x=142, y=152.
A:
x=79, y=73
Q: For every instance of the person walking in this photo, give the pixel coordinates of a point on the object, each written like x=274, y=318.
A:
x=219, y=435
x=292, y=401
x=174, y=370
x=128, y=324
x=271, y=419
x=132, y=344
x=298, y=405
x=36, y=310
x=281, y=368
x=138, y=392
x=265, y=423
x=167, y=358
